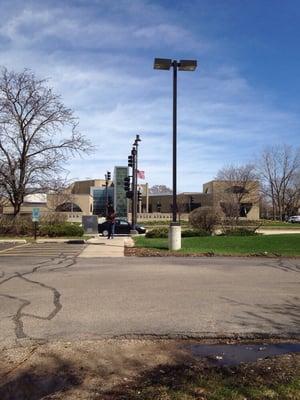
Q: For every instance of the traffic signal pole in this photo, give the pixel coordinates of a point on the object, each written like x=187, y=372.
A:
x=107, y=179
x=134, y=186
x=133, y=163
x=132, y=202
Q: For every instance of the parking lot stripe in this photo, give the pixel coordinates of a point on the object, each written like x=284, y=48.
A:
x=42, y=250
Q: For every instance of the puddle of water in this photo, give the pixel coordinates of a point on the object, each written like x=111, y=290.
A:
x=234, y=354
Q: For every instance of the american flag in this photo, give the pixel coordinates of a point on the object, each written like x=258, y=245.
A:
x=141, y=174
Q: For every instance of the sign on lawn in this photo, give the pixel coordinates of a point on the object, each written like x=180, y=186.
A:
x=35, y=214
x=90, y=223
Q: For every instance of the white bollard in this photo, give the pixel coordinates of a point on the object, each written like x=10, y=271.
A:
x=175, y=237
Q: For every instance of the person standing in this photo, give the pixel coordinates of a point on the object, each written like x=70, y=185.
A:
x=111, y=219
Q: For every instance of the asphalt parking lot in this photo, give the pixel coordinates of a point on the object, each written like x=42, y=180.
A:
x=4, y=246
x=68, y=297
x=43, y=250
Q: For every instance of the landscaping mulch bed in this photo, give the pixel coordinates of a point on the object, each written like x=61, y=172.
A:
x=144, y=252
x=147, y=252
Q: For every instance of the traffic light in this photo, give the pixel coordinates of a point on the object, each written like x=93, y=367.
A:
x=192, y=204
x=139, y=193
x=130, y=161
x=129, y=194
x=108, y=176
x=127, y=184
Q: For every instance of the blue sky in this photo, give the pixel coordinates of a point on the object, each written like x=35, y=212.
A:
x=98, y=54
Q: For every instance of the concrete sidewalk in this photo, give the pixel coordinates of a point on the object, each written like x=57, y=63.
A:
x=278, y=231
x=103, y=247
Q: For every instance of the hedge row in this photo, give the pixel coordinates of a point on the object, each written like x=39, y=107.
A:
x=240, y=232
x=66, y=229
x=163, y=232
x=23, y=226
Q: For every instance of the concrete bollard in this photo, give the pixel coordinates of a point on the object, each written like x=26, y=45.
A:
x=175, y=237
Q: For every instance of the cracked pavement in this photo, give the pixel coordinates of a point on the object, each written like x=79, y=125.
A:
x=66, y=297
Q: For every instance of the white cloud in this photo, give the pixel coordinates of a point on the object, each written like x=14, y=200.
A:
x=102, y=66
x=35, y=25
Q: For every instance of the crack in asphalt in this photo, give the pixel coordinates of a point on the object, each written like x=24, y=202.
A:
x=286, y=265
x=17, y=318
x=56, y=299
x=58, y=263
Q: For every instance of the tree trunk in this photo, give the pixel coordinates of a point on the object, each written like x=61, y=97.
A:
x=17, y=208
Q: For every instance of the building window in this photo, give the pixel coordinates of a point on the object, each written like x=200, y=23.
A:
x=99, y=200
x=120, y=200
x=244, y=209
x=236, y=190
x=235, y=209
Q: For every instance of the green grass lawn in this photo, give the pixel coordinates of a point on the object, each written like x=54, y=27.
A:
x=263, y=224
x=288, y=245
x=215, y=388
x=270, y=379
x=278, y=225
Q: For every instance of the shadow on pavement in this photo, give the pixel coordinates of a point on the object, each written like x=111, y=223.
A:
x=281, y=318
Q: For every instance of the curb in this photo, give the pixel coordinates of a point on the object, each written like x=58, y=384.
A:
x=20, y=241
x=128, y=242
x=70, y=241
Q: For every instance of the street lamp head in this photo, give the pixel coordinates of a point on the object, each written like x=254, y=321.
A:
x=162, y=63
x=187, y=65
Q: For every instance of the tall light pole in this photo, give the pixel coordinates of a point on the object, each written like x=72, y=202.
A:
x=182, y=65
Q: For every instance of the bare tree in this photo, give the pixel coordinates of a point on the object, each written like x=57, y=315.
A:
x=293, y=196
x=237, y=190
x=279, y=169
x=59, y=194
x=2, y=201
x=33, y=148
x=157, y=189
x=182, y=205
x=204, y=218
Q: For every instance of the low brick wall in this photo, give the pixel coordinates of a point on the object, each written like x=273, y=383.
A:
x=158, y=217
